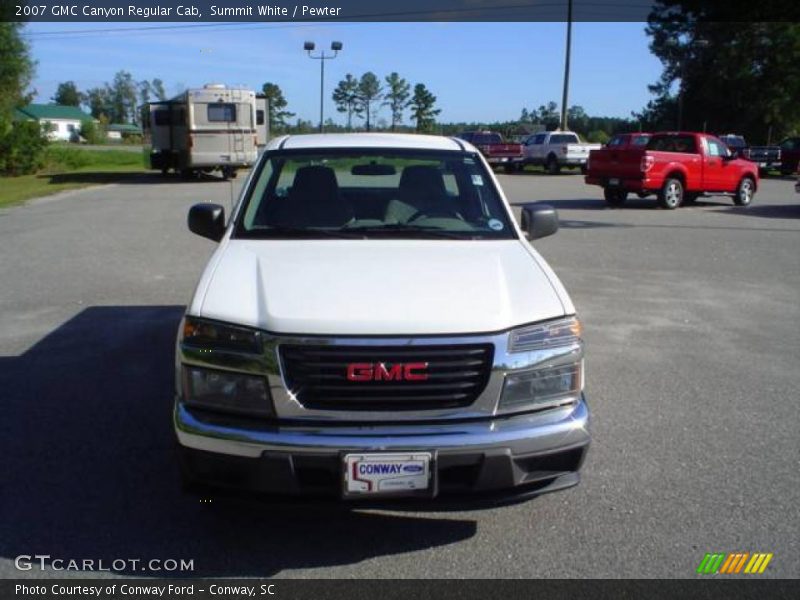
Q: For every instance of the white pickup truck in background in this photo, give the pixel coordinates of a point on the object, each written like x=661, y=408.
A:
x=556, y=149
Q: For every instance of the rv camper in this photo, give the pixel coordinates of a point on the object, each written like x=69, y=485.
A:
x=202, y=130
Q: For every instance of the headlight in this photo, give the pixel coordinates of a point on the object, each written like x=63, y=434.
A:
x=563, y=332
x=220, y=336
x=225, y=391
x=555, y=372
x=542, y=387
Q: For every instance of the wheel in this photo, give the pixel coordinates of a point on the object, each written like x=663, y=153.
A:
x=615, y=196
x=671, y=194
x=227, y=172
x=187, y=173
x=552, y=165
x=745, y=192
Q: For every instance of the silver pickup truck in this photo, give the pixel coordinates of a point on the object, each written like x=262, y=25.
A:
x=556, y=149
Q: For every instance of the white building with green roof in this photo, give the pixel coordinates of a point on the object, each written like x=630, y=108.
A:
x=62, y=122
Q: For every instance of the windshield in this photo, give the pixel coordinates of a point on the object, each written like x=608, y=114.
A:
x=371, y=194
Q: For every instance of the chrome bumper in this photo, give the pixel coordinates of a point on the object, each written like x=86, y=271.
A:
x=517, y=456
x=543, y=432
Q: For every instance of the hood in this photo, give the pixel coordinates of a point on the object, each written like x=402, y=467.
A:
x=377, y=287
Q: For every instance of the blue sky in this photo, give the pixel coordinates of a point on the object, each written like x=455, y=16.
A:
x=478, y=71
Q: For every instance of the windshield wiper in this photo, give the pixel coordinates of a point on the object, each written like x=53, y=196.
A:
x=301, y=232
x=426, y=231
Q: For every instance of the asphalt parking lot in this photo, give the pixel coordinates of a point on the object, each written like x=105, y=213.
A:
x=692, y=322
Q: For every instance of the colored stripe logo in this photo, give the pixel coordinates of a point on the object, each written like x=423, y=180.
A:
x=734, y=563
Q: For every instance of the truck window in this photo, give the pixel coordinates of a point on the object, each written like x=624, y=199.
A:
x=615, y=141
x=487, y=138
x=396, y=193
x=673, y=143
x=564, y=139
x=715, y=149
x=539, y=138
x=221, y=112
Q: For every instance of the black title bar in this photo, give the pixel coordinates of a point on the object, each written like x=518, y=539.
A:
x=196, y=11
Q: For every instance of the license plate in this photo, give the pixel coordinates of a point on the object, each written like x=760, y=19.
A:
x=613, y=181
x=387, y=474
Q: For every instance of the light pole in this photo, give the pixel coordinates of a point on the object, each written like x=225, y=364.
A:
x=565, y=96
x=322, y=57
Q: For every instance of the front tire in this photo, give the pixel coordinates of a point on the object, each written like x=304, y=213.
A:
x=671, y=194
x=745, y=192
x=615, y=196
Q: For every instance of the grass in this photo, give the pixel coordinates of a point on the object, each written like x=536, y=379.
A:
x=69, y=168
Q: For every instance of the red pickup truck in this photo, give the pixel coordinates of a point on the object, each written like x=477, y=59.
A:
x=677, y=167
x=496, y=151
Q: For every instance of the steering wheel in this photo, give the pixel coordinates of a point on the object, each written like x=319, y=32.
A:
x=444, y=214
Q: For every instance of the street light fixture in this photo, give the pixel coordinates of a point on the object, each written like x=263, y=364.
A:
x=322, y=57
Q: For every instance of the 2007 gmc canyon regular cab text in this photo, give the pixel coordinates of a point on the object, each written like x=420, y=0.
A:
x=374, y=323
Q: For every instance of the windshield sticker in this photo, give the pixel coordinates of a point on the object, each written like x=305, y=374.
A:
x=495, y=225
x=477, y=180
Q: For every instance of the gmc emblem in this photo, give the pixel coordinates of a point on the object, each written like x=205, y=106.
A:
x=382, y=372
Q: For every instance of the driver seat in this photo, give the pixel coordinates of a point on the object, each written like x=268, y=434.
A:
x=421, y=191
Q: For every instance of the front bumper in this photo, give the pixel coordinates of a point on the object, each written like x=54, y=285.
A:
x=534, y=452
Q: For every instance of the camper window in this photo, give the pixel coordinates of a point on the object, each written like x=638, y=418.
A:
x=259, y=117
x=161, y=117
x=221, y=112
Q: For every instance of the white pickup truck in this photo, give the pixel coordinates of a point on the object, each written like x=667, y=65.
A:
x=374, y=323
x=556, y=149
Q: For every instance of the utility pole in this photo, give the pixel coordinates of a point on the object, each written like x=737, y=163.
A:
x=565, y=96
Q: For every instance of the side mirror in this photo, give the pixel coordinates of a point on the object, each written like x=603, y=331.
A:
x=539, y=220
x=207, y=220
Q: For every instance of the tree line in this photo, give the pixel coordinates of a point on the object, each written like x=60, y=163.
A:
x=363, y=98
x=117, y=102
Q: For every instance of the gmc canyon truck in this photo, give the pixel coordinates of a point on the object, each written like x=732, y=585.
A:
x=497, y=151
x=677, y=167
x=374, y=323
x=556, y=149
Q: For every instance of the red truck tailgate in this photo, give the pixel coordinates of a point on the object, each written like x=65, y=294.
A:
x=608, y=163
x=502, y=149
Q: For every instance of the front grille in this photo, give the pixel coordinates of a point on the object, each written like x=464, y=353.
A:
x=317, y=376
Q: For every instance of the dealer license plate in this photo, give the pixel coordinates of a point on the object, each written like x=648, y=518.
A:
x=387, y=474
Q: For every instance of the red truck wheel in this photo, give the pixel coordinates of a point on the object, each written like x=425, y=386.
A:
x=615, y=196
x=671, y=194
x=745, y=192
